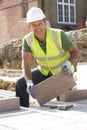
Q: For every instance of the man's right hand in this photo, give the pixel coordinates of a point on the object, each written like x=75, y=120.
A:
x=30, y=86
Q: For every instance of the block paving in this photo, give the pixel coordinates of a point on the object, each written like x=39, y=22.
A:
x=44, y=118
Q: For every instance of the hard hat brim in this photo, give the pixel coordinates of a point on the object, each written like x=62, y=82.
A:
x=34, y=20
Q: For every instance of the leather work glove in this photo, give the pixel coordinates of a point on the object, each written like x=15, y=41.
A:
x=66, y=68
x=30, y=86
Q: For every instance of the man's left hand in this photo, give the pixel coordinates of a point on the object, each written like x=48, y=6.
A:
x=66, y=68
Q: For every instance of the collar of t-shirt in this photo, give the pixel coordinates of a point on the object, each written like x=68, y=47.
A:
x=42, y=44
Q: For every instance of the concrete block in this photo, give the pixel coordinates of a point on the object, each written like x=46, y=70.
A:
x=65, y=106
x=53, y=87
x=73, y=95
x=9, y=103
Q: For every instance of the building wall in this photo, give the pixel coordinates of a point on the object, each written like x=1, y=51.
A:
x=81, y=13
x=50, y=9
x=13, y=12
x=12, y=21
x=21, y=28
x=3, y=29
x=32, y=4
x=10, y=14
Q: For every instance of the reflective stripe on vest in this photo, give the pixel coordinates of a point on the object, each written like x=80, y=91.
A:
x=29, y=39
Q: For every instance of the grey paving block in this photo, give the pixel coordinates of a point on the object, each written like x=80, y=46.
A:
x=9, y=103
x=53, y=87
x=73, y=95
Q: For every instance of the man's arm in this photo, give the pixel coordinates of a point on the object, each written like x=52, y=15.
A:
x=70, y=47
x=74, y=54
x=26, y=65
x=73, y=51
x=67, y=66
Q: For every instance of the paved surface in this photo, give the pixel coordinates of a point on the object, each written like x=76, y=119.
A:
x=44, y=118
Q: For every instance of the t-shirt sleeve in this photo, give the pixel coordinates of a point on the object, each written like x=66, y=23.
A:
x=66, y=42
x=25, y=46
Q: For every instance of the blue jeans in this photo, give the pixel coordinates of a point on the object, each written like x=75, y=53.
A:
x=37, y=77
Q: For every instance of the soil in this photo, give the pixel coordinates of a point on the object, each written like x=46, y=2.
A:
x=7, y=85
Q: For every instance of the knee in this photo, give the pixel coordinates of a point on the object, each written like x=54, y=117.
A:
x=20, y=83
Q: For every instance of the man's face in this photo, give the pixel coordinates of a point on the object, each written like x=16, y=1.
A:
x=39, y=28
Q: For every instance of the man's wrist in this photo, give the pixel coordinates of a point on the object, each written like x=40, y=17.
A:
x=28, y=82
x=69, y=62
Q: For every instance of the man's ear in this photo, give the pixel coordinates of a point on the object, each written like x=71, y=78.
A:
x=44, y=21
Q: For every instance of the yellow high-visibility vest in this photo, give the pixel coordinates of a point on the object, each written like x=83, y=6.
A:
x=54, y=57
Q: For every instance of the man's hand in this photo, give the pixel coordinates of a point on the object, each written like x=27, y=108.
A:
x=66, y=68
x=30, y=86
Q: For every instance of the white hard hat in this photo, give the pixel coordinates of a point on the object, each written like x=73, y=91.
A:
x=35, y=14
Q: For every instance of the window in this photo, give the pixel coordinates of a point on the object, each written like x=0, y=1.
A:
x=66, y=13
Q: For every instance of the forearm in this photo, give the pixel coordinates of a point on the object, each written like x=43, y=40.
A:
x=74, y=54
x=27, y=72
x=28, y=77
x=26, y=65
x=74, y=57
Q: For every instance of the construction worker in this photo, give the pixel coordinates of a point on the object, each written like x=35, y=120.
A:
x=52, y=49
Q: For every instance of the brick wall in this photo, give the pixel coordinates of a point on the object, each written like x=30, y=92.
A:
x=9, y=3
x=32, y=4
x=80, y=13
x=10, y=12
x=50, y=8
x=3, y=24
x=12, y=23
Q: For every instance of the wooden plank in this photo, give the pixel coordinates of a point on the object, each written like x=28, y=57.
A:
x=53, y=87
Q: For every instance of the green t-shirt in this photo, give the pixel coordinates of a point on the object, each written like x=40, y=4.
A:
x=66, y=43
